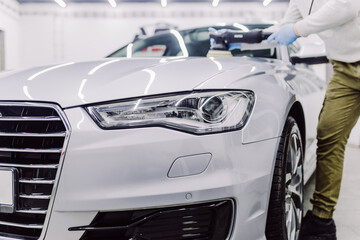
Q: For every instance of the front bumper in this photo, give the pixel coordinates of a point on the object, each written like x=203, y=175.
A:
x=117, y=170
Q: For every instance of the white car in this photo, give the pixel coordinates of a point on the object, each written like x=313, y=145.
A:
x=168, y=147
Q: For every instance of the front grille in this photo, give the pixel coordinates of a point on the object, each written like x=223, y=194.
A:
x=32, y=138
x=206, y=221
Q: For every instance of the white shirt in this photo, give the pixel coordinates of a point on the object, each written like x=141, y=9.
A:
x=337, y=22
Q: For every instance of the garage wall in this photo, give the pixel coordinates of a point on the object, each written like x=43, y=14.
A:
x=9, y=25
x=355, y=135
x=90, y=31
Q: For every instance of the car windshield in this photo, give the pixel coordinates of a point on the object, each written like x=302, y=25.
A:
x=189, y=43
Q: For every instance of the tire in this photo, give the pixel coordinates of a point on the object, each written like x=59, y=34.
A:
x=286, y=197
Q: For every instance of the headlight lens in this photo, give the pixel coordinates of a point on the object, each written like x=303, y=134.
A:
x=195, y=112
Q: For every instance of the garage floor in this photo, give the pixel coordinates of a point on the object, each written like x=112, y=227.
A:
x=347, y=214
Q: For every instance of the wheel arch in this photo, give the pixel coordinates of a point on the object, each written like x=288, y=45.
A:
x=297, y=112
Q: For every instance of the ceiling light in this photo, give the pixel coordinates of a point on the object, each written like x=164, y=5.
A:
x=266, y=2
x=112, y=3
x=61, y=3
x=215, y=3
x=163, y=3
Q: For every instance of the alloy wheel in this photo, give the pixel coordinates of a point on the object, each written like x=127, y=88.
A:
x=294, y=186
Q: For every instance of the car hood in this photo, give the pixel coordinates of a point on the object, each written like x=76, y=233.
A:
x=73, y=84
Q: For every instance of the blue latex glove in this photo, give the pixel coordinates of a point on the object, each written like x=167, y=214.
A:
x=213, y=30
x=233, y=46
x=284, y=36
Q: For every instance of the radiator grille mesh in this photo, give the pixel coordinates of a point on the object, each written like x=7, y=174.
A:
x=32, y=139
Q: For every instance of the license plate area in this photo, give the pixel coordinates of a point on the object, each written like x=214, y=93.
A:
x=7, y=190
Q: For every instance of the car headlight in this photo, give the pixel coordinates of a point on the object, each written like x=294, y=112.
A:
x=195, y=112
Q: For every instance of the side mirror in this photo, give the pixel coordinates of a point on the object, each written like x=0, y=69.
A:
x=311, y=51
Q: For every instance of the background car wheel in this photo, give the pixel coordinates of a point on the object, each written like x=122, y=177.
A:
x=286, y=197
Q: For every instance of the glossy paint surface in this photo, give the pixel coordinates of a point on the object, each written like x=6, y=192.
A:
x=73, y=84
x=76, y=84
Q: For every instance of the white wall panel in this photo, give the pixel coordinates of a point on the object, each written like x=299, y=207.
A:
x=355, y=135
x=38, y=44
x=9, y=24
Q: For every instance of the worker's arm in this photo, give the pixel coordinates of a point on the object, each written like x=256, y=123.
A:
x=284, y=32
x=334, y=13
x=292, y=15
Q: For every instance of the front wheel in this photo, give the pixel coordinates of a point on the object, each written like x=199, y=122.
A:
x=286, y=197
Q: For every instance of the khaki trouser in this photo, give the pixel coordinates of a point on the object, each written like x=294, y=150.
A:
x=340, y=112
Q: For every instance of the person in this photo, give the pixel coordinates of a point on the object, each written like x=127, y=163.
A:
x=337, y=22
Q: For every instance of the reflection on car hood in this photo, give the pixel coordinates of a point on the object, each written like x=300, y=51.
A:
x=73, y=84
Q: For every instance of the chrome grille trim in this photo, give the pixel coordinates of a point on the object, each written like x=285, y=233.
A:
x=57, y=117
x=36, y=181
x=49, y=166
x=26, y=150
x=35, y=196
x=32, y=211
x=34, y=226
x=30, y=118
x=25, y=134
x=9, y=238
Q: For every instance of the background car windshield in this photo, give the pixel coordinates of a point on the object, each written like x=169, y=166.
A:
x=192, y=43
